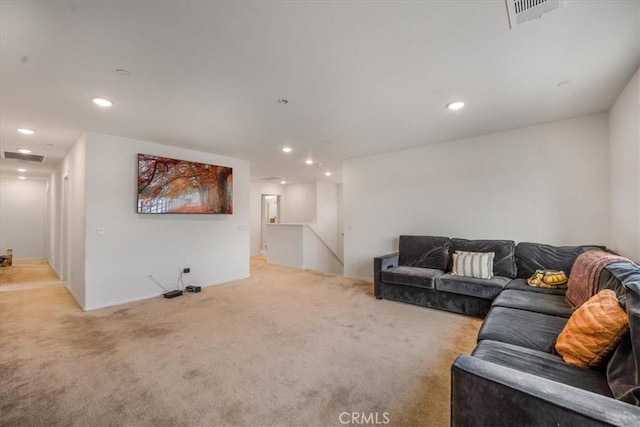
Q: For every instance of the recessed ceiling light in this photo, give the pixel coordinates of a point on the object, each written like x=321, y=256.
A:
x=309, y=162
x=22, y=177
x=26, y=131
x=287, y=149
x=327, y=173
x=455, y=105
x=102, y=102
x=283, y=182
x=24, y=151
x=21, y=170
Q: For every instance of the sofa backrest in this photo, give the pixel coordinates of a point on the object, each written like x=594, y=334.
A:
x=504, y=262
x=537, y=256
x=623, y=369
x=612, y=277
x=424, y=251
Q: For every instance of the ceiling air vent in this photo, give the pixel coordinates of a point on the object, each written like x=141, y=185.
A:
x=521, y=11
x=24, y=157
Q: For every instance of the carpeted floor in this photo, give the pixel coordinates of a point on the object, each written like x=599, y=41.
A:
x=284, y=348
x=27, y=274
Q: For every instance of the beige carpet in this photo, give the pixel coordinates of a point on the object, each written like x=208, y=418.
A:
x=284, y=348
x=27, y=274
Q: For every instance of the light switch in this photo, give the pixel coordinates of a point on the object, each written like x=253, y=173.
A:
x=100, y=231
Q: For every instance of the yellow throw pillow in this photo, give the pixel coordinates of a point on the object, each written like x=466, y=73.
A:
x=593, y=331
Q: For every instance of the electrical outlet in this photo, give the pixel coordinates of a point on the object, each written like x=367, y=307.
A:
x=186, y=270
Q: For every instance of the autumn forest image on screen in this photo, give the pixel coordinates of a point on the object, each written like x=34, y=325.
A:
x=178, y=186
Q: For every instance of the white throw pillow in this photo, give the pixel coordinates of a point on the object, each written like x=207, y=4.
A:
x=473, y=264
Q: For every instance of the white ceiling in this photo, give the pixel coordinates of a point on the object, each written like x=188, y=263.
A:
x=360, y=77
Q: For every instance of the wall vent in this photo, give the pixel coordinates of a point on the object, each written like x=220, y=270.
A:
x=23, y=157
x=521, y=11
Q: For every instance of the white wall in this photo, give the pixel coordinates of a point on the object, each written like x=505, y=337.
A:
x=314, y=203
x=546, y=183
x=22, y=217
x=624, y=142
x=326, y=224
x=299, y=246
x=317, y=255
x=66, y=220
x=258, y=188
x=215, y=247
x=285, y=245
x=340, y=222
x=113, y=268
x=299, y=203
x=52, y=230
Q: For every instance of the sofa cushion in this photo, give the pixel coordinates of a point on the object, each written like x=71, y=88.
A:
x=504, y=262
x=522, y=285
x=520, y=327
x=411, y=276
x=481, y=288
x=554, y=305
x=472, y=264
x=593, y=331
x=622, y=373
x=536, y=256
x=545, y=365
x=424, y=251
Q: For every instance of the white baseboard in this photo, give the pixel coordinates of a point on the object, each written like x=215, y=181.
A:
x=120, y=302
x=130, y=300
x=75, y=297
x=54, y=269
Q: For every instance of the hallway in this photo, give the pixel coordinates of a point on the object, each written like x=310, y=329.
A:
x=28, y=274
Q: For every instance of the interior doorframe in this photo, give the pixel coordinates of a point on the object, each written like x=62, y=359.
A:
x=66, y=240
x=264, y=218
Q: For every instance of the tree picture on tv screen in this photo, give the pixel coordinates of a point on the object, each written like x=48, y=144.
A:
x=171, y=186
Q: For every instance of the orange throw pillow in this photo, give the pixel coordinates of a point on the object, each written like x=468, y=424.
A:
x=593, y=331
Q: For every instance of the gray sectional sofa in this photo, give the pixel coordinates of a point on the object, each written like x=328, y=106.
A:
x=514, y=376
x=420, y=272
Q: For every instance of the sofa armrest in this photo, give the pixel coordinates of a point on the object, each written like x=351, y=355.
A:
x=485, y=393
x=380, y=264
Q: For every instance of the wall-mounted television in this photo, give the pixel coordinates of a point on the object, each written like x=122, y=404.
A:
x=171, y=186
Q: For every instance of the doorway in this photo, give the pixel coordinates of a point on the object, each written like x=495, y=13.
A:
x=270, y=215
x=65, y=240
